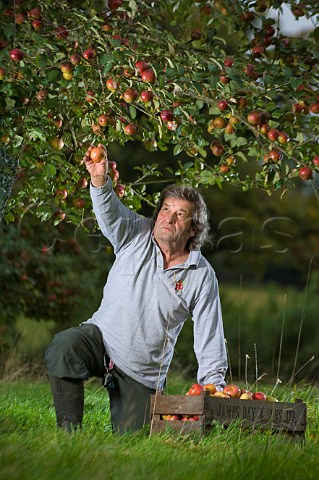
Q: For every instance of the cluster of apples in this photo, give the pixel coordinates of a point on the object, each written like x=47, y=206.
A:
x=229, y=391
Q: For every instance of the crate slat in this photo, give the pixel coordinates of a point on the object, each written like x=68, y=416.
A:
x=179, y=404
x=283, y=416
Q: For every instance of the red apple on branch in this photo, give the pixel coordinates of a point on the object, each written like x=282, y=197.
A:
x=89, y=54
x=273, y=134
x=130, y=95
x=254, y=117
x=305, y=173
x=130, y=129
x=222, y=105
x=114, y=4
x=61, y=193
x=37, y=24
x=148, y=76
x=35, y=13
x=315, y=160
x=167, y=115
x=75, y=58
x=112, y=84
x=275, y=155
x=141, y=66
x=20, y=18
x=16, y=54
x=283, y=137
x=146, y=96
x=314, y=108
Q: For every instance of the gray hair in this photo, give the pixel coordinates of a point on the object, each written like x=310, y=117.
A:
x=199, y=215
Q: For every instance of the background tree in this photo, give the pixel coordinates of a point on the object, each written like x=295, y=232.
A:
x=215, y=82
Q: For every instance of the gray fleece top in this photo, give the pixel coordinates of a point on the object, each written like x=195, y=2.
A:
x=145, y=306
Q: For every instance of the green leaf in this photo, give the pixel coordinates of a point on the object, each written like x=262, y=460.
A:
x=207, y=177
x=106, y=58
x=35, y=134
x=239, y=142
x=177, y=149
x=296, y=82
x=199, y=104
x=49, y=170
x=133, y=112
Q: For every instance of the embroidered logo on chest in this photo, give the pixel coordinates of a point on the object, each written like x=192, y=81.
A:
x=179, y=285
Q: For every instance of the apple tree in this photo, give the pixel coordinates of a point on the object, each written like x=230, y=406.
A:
x=216, y=82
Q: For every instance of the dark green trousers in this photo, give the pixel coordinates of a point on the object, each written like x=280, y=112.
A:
x=77, y=354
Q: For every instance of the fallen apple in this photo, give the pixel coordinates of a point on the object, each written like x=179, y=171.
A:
x=221, y=394
x=246, y=396
x=271, y=398
x=170, y=417
x=196, y=389
x=232, y=390
x=261, y=396
x=211, y=388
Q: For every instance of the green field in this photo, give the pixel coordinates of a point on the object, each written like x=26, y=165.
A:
x=31, y=447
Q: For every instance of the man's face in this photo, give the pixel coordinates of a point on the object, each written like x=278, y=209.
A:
x=173, y=225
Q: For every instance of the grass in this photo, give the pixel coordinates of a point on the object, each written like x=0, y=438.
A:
x=31, y=447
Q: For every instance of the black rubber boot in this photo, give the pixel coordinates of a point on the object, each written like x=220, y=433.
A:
x=68, y=396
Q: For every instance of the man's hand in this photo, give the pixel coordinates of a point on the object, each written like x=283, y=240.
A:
x=97, y=170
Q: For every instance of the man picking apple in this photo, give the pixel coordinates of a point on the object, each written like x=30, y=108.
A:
x=159, y=279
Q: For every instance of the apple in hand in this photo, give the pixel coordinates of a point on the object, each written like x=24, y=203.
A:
x=97, y=154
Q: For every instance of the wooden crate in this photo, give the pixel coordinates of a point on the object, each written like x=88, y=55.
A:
x=177, y=405
x=282, y=417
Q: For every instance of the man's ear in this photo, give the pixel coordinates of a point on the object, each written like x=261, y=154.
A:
x=192, y=231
